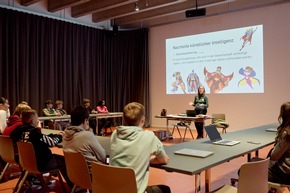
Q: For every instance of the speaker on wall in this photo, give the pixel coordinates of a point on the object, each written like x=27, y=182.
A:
x=195, y=12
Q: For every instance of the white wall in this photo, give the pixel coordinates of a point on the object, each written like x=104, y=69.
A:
x=242, y=110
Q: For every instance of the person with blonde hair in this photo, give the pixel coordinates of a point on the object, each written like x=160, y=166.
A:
x=15, y=119
x=59, y=107
x=133, y=147
x=279, y=168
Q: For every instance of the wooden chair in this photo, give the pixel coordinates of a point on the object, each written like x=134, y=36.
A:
x=28, y=162
x=113, y=179
x=253, y=177
x=77, y=170
x=278, y=188
x=219, y=120
x=182, y=124
x=8, y=155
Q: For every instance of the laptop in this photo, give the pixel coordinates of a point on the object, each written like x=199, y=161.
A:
x=272, y=129
x=194, y=152
x=216, y=138
x=190, y=113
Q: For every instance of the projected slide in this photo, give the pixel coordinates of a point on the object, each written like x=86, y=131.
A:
x=229, y=61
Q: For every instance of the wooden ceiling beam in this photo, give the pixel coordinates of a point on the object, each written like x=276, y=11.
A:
x=144, y=5
x=28, y=2
x=57, y=5
x=94, y=6
x=163, y=11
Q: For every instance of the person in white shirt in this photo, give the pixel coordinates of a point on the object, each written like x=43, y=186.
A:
x=3, y=114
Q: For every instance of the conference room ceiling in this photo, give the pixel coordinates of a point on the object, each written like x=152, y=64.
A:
x=123, y=13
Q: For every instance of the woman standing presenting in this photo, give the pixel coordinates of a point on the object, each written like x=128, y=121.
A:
x=200, y=105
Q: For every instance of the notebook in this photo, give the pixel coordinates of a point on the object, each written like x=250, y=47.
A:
x=216, y=138
x=190, y=113
x=194, y=152
x=272, y=129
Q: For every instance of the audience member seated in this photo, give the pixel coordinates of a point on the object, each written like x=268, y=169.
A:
x=15, y=120
x=133, y=147
x=105, y=122
x=59, y=109
x=3, y=114
x=279, y=168
x=79, y=138
x=8, y=110
x=92, y=120
x=50, y=111
x=29, y=132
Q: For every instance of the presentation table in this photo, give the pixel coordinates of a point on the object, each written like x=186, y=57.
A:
x=194, y=166
x=181, y=118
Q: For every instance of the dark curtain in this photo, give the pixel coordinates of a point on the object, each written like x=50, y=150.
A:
x=43, y=58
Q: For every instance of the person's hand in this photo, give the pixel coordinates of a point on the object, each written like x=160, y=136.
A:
x=190, y=103
x=201, y=105
x=61, y=133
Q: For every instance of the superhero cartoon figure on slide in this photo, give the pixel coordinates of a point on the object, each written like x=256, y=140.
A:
x=178, y=82
x=216, y=81
x=248, y=36
x=249, y=75
x=193, y=82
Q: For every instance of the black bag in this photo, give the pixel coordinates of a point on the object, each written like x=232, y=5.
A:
x=163, y=112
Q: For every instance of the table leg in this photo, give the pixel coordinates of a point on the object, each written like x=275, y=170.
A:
x=207, y=180
x=249, y=157
x=257, y=153
x=197, y=183
x=97, y=126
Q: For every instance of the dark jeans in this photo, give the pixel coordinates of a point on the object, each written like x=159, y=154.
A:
x=104, y=123
x=199, y=125
x=158, y=189
x=58, y=162
x=276, y=175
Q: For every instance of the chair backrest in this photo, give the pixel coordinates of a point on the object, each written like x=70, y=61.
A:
x=7, y=149
x=27, y=158
x=77, y=169
x=254, y=177
x=218, y=116
x=113, y=179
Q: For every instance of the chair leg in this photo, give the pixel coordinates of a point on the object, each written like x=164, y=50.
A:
x=22, y=181
x=74, y=189
x=179, y=132
x=184, y=133
x=175, y=126
x=173, y=129
x=19, y=180
x=190, y=132
x=4, y=171
x=61, y=181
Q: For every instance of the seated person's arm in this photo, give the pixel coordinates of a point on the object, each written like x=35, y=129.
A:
x=45, y=112
x=158, y=156
x=56, y=113
x=51, y=140
x=159, y=160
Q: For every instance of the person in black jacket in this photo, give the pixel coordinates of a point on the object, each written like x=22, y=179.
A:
x=29, y=132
